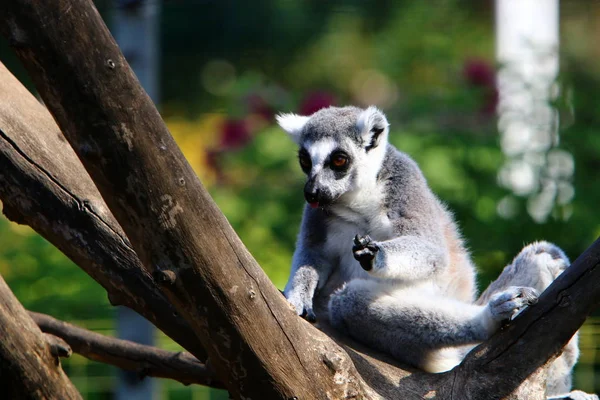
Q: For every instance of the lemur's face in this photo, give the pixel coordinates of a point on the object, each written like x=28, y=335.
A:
x=339, y=149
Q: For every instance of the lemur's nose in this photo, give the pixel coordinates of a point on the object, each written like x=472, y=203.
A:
x=311, y=195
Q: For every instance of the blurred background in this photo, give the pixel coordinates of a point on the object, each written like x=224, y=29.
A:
x=495, y=100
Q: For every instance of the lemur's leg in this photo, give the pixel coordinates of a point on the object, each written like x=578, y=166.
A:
x=408, y=258
x=537, y=265
x=413, y=323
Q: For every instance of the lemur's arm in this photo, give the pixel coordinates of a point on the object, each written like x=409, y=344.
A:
x=309, y=268
x=409, y=258
x=418, y=249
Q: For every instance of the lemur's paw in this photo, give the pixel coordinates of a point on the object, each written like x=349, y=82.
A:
x=365, y=250
x=302, y=306
x=304, y=310
x=505, y=305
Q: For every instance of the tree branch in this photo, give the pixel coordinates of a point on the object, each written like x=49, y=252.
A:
x=258, y=346
x=28, y=367
x=146, y=360
x=44, y=185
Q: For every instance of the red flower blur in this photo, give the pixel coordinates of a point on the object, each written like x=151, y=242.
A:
x=234, y=134
x=315, y=101
x=481, y=74
x=258, y=105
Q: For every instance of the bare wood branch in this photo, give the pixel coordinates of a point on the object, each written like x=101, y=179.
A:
x=146, y=360
x=28, y=369
x=257, y=345
x=44, y=185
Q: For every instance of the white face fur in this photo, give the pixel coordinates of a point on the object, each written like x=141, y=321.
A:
x=340, y=150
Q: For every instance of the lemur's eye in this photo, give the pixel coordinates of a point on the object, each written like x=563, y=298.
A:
x=305, y=162
x=339, y=161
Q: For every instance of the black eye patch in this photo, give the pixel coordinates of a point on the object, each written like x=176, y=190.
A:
x=304, y=159
x=339, y=160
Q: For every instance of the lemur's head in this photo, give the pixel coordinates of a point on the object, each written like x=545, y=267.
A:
x=340, y=150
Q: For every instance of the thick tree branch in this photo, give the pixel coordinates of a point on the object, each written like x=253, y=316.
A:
x=29, y=364
x=44, y=185
x=258, y=346
x=146, y=360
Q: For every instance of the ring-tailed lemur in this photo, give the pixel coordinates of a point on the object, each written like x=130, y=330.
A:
x=383, y=254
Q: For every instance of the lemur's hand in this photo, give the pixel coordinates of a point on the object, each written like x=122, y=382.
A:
x=365, y=250
x=302, y=305
x=300, y=291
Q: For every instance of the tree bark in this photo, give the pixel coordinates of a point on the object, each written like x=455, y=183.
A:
x=259, y=347
x=44, y=185
x=256, y=343
x=28, y=367
x=131, y=356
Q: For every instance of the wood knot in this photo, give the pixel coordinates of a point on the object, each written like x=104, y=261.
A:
x=564, y=301
x=165, y=276
x=252, y=294
x=333, y=361
x=58, y=347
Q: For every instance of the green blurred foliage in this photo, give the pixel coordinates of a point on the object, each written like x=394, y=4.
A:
x=44, y=279
x=228, y=66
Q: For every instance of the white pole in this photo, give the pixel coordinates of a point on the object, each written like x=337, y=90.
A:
x=135, y=26
x=527, y=43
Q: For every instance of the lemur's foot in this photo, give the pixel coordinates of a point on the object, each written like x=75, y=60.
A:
x=544, y=256
x=505, y=305
x=365, y=250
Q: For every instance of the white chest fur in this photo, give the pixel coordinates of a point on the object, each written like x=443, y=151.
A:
x=357, y=214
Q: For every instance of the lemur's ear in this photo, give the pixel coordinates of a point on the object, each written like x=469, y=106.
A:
x=373, y=127
x=292, y=124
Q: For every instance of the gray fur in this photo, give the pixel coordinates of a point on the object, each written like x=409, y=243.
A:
x=407, y=287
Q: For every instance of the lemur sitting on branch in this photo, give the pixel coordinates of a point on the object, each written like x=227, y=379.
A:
x=384, y=255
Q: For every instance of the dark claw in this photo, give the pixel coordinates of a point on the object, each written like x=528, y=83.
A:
x=309, y=315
